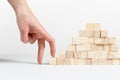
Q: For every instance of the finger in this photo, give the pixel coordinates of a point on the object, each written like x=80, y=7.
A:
x=51, y=42
x=42, y=33
x=41, y=46
x=24, y=35
x=32, y=37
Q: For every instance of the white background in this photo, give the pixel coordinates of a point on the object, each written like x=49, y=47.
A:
x=62, y=19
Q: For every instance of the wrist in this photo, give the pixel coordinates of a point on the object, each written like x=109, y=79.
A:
x=19, y=5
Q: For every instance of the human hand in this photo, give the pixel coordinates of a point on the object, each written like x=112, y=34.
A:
x=31, y=30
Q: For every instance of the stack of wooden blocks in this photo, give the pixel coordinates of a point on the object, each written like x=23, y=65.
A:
x=92, y=47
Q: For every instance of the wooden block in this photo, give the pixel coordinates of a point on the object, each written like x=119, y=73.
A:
x=83, y=55
x=104, y=33
x=90, y=34
x=89, y=26
x=78, y=54
x=98, y=41
x=99, y=47
x=80, y=40
x=98, y=54
x=95, y=61
x=104, y=54
x=84, y=47
x=92, y=47
x=81, y=61
x=71, y=47
x=117, y=55
x=62, y=55
x=91, y=40
x=111, y=40
x=112, y=54
x=97, y=26
x=114, y=48
x=62, y=60
x=52, y=61
x=88, y=61
x=58, y=61
x=96, y=34
x=67, y=61
x=72, y=61
x=102, y=61
x=101, y=40
x=104, y=40
x=80, y=48
x=107, y=48
x=91, y=54
x=116, y=61
x=109, y=62
x=69, y=54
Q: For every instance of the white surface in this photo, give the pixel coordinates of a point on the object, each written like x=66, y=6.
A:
x=62, y=19
x=17, y=71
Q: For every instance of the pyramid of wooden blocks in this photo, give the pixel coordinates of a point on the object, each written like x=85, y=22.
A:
x=92, y=47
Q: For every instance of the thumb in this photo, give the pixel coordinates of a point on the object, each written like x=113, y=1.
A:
x=24, y=36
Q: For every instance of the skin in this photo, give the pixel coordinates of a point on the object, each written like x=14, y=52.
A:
x=30, y=28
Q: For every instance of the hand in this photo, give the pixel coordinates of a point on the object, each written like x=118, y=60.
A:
x=31, y=30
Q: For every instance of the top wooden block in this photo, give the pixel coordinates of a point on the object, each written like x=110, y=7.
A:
x=93, y=27
x=89, y=26
x=97, y=26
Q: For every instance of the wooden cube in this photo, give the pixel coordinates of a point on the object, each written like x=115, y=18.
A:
x=92, y=47
x=80, y=40
x=99, y=47
x=62, y=60
x=91, y=40
x=104, y=40
x=90, y=26
x=91, y=54
x=81, y=61
x=52, y=61
x=88, y=61
x=109, y=61
x=69, y=54
x=104, y=54
x=98, y=54
x=101, y=40
x=84, y=47
x=58, y=61
x=117, y=55
x=111, y=40
x=96, y=34
x=78, y=54
x=90, y=34
x=95, y=61
x=71, y=47
x=62, y=55
x=107, y=48
x=102, y=61
x=97, y=27
x=112, y=54
x=67, y=61
x=98, y=41
x=83, y=55
x=114, y=48
x=104, y=33
x=72, y=61
x=116, y=61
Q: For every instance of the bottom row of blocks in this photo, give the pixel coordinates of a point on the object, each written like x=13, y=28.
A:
x=87, y=61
